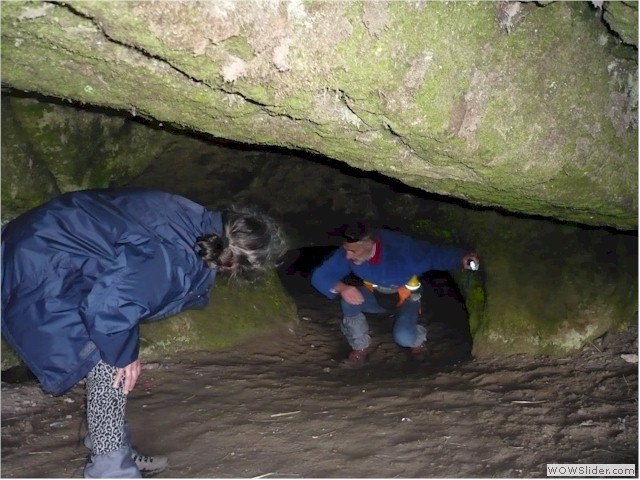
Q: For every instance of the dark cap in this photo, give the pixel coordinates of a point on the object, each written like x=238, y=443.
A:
x=354, y=232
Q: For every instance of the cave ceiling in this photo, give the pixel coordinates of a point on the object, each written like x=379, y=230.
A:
x=526, y=106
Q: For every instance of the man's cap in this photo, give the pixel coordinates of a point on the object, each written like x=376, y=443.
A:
x=354, y=232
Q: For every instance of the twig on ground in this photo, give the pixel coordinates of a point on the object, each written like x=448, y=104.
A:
x=279, y=475
x=323, y=434
x=284, y=413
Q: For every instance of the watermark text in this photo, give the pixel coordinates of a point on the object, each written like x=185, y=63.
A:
x=591, y=470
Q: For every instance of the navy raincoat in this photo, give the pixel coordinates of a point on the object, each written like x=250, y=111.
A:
x=81, y=271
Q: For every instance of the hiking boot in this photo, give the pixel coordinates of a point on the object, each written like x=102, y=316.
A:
x=149, y=465
x=356, y=359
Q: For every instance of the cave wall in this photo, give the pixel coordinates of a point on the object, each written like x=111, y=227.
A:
x=544, y=287
x=529, y=106
x=49, y=149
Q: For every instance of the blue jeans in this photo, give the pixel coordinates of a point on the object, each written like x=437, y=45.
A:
x=406, y=331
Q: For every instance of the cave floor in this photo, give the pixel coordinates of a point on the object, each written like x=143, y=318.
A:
x=282, y=406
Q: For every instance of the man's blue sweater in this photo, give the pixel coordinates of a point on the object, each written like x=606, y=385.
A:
x=400, y=257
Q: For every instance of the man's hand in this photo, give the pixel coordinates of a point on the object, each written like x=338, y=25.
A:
x=349, y=293
x=130, y=374
x=468, y=258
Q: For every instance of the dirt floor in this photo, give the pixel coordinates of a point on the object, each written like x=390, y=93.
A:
x=284, y=407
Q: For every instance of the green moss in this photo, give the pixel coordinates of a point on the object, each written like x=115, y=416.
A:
x=9, y=356
x=83, y=149
x=234, y=315
x=425, y=227
x=239, y=46
x=449, y=72
x=623, y=19
x=533, y=305
x=369, y=63
x=26, y=180
x=475, y=303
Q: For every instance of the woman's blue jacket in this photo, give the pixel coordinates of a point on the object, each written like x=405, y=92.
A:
x=81, y=271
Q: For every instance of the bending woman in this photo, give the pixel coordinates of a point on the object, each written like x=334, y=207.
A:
x=79, y=274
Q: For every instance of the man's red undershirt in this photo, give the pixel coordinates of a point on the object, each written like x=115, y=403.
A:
x=376, y=256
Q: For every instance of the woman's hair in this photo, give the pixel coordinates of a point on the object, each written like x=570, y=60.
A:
x=251, y=243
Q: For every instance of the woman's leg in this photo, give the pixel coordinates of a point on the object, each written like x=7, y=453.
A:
x=110, y=451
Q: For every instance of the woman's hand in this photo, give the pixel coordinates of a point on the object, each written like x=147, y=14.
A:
x=130, y=374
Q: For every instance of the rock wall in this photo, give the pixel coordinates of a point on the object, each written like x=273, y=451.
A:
x=528, y=106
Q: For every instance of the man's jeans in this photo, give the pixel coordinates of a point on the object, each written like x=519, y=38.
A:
x=406, y=331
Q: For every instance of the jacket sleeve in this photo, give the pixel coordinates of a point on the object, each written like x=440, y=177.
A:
x=436, y=257
x=136, y=285
x=330, y=272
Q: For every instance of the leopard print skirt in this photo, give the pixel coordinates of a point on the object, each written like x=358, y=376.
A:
x=105, y=409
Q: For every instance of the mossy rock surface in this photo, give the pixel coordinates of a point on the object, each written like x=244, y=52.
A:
x=529, y=106
x=26, y=179
x=544, y=287
x=235, y=314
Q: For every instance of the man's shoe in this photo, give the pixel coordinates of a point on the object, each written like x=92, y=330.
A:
x=149, y=465
x=419, y=352
x=356, y=359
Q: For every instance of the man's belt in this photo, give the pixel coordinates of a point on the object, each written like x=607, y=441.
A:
x=401, y=294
